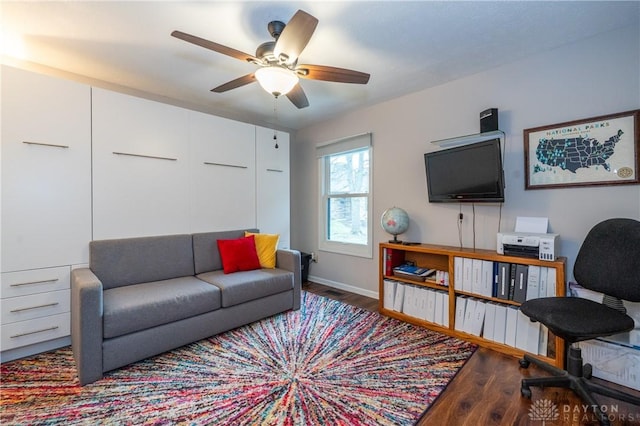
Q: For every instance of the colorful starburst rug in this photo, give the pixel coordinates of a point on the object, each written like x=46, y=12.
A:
x=327, y=364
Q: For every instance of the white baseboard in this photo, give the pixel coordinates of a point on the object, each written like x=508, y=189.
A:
x=345, y=287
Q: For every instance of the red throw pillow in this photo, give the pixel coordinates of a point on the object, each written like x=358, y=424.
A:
x=239, y=254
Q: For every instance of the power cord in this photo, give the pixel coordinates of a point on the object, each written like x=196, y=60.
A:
x=460, y=217
x=473, y=223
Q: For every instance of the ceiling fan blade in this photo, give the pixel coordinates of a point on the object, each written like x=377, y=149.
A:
x=295, y=36
x=325, y=73
x=215, y=47
x=234, y=84
x=297, y=97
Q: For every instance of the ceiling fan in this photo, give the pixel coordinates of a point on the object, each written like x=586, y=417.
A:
x=278, y=60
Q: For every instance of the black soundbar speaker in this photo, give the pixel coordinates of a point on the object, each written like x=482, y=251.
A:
x=489, y=120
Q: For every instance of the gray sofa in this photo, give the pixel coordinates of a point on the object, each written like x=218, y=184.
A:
x=144, y=296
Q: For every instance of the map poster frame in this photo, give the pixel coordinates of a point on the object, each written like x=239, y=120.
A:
x=599, y=150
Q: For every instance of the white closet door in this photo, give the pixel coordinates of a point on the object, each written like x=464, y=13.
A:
x=272, y=178
x=223, y=188
x=46, y=171
x=140, y=167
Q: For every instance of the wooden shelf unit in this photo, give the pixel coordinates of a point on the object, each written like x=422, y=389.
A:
x=442, y=257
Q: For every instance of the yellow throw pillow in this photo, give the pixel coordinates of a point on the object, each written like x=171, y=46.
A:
x=266, y=246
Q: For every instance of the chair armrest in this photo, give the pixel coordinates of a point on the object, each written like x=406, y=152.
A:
x=86, y=324
x=289, y=260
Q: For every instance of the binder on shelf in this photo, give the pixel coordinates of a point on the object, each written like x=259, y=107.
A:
x=543, y=341
x=489, y=320
x=407, y=304
x=467, y=266
x=439, y=317
x=487, y=278
x=469, y=313
x=414, y=301
x=551, y=282
x=431, y=305
x=520, y=285
x=533, y=337
x=389, y=293
x=423, y=293
x=542, y=289
x=533, y=282
x=528, y=334
x=511, y=326
x=461, y=305
x=522, y=331
x=457, y=273
x=512, y=280
x=478, y=318
x=500, y=323
x=476, y=276
x=392, y=258
x=399, y=297
x=445, y=309
x=504, y=277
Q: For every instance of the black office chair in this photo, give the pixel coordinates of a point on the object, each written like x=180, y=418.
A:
x=608, y=262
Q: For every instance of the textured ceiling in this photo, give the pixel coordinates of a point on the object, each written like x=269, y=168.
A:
x=405, y=46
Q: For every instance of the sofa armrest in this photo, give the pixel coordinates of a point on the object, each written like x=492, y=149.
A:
x=289, y=260
x=86, y=324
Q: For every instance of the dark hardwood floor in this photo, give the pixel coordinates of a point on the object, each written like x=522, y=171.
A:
x=486, y=391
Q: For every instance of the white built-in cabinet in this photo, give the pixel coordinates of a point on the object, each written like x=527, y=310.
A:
x=222, y=173
x=46, y=206
x=82, y=163
x=272, y=178
x=46, y=171
x=140, y=167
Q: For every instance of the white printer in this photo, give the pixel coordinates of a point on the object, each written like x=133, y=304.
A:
x=528, y=244
x=529, y=239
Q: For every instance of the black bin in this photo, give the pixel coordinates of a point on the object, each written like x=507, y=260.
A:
x=305, y=260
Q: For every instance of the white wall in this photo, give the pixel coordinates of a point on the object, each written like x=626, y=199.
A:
x=590, y=78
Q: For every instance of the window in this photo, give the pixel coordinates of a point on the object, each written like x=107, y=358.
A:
x=345, y=190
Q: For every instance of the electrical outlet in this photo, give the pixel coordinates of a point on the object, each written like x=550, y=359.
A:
x=314, y=257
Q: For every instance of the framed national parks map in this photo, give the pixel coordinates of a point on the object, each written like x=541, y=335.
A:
x=595, y=151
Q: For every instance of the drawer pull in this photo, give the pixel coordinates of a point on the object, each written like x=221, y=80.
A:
x=53, y=280
x=34, y=332
x=145, y=156
x=224, y=165
x=45, y=144
x=48, y=305
x=275, y=170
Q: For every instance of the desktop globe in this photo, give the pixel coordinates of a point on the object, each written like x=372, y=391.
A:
x=395, y=221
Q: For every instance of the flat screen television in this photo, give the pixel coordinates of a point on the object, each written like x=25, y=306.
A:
x=470, y=173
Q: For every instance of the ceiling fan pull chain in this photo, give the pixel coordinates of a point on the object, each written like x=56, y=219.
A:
x=275, y=113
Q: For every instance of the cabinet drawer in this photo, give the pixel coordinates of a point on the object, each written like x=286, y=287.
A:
x=38, y=305
x=37, y=330
x=35, y=281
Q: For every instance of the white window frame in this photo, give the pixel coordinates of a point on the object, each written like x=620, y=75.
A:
x=323, y=151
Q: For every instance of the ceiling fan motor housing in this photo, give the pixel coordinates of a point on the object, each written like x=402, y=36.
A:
x=275, y=28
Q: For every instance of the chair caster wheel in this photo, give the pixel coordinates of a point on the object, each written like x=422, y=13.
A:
x=525, y=392
x=586, y=371
x=524, y=363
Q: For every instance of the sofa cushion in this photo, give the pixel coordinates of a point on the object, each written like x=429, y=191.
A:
x=241, y=287
x=206, y=256
x=141, y=306
x=238, y=254
x=266, y=246
x=127, y=261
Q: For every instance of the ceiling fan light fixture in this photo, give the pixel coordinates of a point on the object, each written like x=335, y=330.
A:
x=276, y=80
